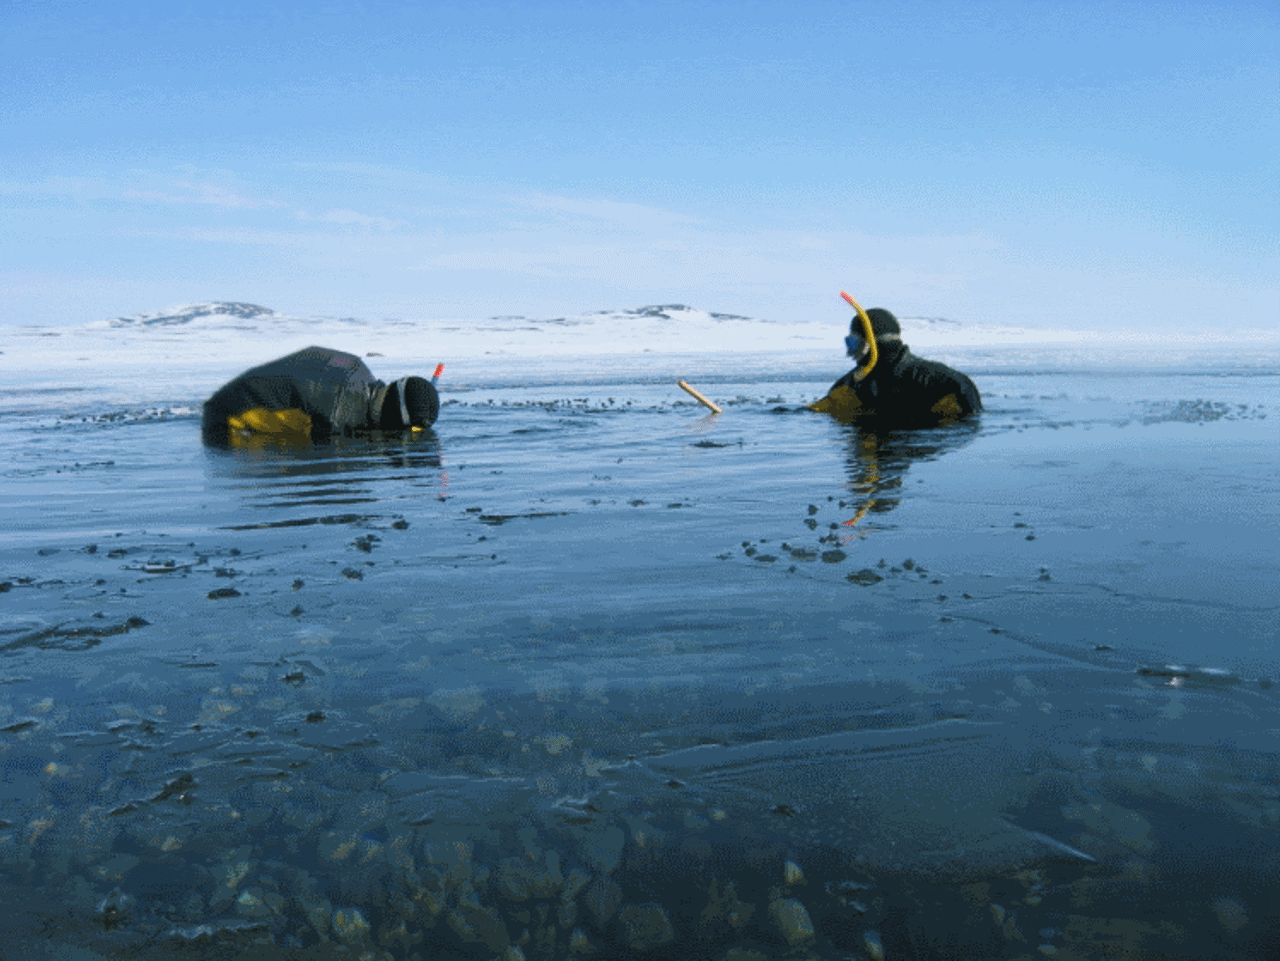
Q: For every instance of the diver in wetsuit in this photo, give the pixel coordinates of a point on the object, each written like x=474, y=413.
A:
x=896, y=388
x=313, y=394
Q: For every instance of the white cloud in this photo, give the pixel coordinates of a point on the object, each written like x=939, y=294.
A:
x=146, y=186
x=553, y=250
x=353, y=218
x=187, y=192
x=618, y=213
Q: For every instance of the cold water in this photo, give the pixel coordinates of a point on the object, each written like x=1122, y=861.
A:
x=587, y=670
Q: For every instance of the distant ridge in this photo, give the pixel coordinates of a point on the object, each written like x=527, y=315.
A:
x=931, y=321
x=236, y=334
x=185, y=313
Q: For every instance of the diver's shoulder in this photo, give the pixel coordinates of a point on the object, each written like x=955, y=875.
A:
x=936, y=368
x=848, y=380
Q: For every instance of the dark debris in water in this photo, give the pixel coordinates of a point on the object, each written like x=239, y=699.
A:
x=865, y=577
x=303, y=522
x=496, y=519
x=66, y=638
x=1199, y=412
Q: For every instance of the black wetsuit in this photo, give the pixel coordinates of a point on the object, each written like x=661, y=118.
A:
x=333, y=390
x=903, y=390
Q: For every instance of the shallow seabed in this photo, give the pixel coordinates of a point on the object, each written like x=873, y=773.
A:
x=588, y=672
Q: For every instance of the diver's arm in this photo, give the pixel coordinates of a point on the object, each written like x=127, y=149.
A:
x=842, y=400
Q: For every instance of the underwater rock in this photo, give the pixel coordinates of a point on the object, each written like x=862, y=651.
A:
x=116, y=908
x=601, y=899
x=791, y=920
x=580, y=945
x=515, y=879
x=646, y=926
x=576, y=881
x=724, y=914
x=476, y=924
x=317, y=910
x=350, y=926
x=259, y=903
x=1230, y=913
x=599, y=847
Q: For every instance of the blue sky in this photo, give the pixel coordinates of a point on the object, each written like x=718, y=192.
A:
x=1044, y=164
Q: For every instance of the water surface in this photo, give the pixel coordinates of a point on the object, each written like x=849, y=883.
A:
x=588, y=669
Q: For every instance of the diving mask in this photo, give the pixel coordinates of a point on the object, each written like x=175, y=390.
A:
x=855, y=346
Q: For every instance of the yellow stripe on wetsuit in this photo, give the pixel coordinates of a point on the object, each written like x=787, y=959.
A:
x=948, y=408
x=841, y=402
x=260, y=420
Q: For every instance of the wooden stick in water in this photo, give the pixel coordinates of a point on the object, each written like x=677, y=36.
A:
x=699, y=397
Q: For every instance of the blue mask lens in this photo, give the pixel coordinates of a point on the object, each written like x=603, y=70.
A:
x=854, y=346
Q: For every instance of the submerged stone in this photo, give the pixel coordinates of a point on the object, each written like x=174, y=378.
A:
x=602, y=898
x=646, y=926
x=791, y=919
x=116, y=908
x=317, y=910
x=476, y=924
x=580, y=945
x=349, y=925
x=873, y=946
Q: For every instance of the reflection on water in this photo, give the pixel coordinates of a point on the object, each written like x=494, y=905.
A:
x=278, y=473
x=878, y=461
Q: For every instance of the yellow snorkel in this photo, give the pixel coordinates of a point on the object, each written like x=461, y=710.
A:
x=842, y=402
x=868, y=333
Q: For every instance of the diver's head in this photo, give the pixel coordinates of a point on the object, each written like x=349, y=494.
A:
x=409, y=402
x=883, y=324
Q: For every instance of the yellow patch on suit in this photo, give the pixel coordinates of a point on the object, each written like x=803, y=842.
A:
x=948, y=408
x=841, y=403
x=290, y=422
